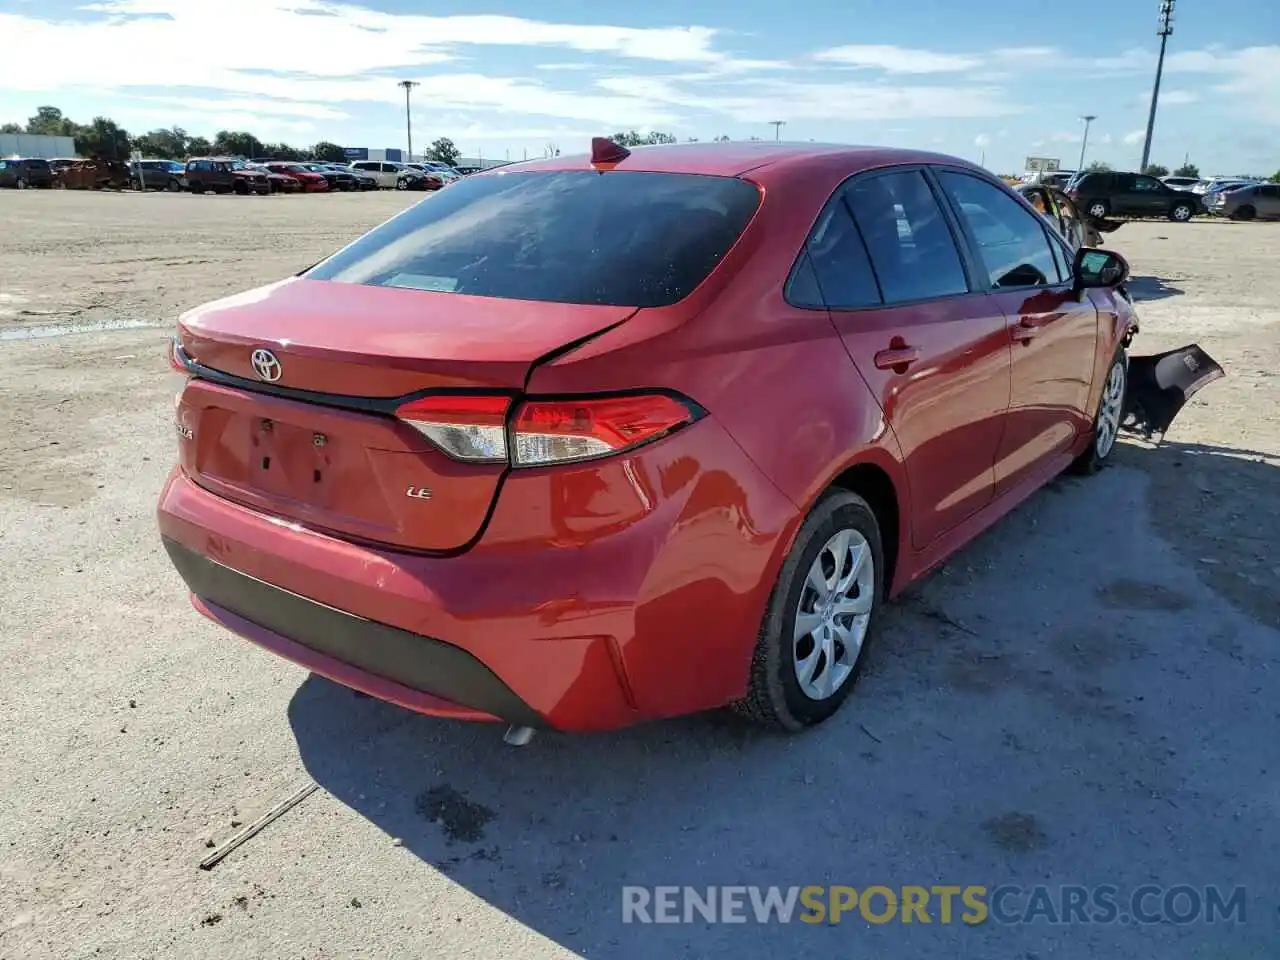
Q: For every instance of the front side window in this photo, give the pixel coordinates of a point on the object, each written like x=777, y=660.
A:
x=1014, y=247
x=614, y=239
x=907, y=236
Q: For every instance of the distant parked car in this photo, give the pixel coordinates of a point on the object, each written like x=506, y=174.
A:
x=1260, y=201
x=448, y=173
x=339, y=178
x=225, y=175
x=279, y=182
x=1180, y=183
x=1215, y=187
x=365, y=180
x=309, y=181
x=76, y=174
x=158, y=175
x=1109, y=194
x=23, y=172
x=394, y=176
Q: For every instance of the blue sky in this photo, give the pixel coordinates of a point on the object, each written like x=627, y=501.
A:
x=967, y=77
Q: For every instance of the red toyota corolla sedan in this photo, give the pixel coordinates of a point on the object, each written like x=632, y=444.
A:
x=588, y=441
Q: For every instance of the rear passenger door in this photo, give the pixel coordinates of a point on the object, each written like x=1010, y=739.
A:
x=934, y=353
x=1052, y=330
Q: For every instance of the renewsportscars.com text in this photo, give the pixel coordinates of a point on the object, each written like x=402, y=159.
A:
x=938, y=903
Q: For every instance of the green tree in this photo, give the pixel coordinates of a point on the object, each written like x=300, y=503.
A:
x=1187, y=170
x=11, y=128
x=327, y=152
x=723, y=138
x=102, y=137
x=50, y=122
x=282, y=151
x=1156, y=170
x=163, y=144
x=1098, y=166
x=199, y=147
x=1276, y=177
x=445, y=151
x=237, y=144
x=633, y=138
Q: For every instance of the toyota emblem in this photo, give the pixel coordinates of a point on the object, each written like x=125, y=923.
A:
x=265, y=365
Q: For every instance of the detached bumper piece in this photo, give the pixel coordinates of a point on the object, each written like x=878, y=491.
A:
x=419, y=663
x=1160, y=386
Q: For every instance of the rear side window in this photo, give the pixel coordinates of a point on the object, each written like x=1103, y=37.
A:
x=912, y=250
x=840, y=262
x=1012, y=241
x=615, y=239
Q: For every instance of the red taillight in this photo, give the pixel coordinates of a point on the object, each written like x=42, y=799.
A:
x=468, y=428
x=474, y=428
x=560, y=431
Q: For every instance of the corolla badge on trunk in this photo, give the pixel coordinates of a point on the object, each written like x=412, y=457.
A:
x=265, y=365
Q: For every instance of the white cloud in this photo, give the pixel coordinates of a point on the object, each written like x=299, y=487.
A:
x=1250, y=76
x=1173, y=98
x=898, y=59
x=981, y=140
x=1065, y=137
x=1135, y=136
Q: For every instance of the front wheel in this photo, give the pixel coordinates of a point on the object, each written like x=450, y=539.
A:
x=402, y=184
x=1099, y=209
x=1106, y=422
x=1181, y=212
x=813, y=641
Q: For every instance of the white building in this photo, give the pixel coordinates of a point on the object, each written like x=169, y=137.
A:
x=34, y=145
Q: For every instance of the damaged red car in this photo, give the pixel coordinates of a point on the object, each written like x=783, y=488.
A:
x=608, y=438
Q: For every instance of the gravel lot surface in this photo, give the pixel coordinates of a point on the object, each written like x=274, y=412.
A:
x=1087, y=695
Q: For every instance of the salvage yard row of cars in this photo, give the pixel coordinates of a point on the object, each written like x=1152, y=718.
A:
x=223, y=175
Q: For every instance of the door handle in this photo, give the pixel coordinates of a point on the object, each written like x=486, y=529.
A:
x=897, y=358
x=1027, y=328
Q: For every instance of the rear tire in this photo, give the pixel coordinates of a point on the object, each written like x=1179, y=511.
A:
x=1106, y=421
x=1245, y=212
x=844, y=614
x=1182, y=212
x=1099, y=209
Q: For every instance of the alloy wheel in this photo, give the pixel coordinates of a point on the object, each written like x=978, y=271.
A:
x=1109, y=412
x=833, y=614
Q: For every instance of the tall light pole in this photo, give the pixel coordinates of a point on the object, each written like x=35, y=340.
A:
x=777, y=128
x=1166, y=28
x=408, y=123
x=1084, y=141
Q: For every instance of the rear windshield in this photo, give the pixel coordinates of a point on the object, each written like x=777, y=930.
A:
x=613, y=239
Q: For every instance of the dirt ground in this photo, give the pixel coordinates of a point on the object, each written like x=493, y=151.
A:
x=1087, y=695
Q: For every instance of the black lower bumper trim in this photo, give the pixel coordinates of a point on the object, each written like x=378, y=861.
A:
x=420, y=663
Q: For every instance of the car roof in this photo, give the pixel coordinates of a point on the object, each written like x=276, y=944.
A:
x=735, y=158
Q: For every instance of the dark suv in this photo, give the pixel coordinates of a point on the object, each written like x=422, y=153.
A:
x=225, y=175
x=25, y=172
x=1102, y=195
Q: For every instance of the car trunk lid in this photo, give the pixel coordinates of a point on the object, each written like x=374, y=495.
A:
x=314, y=438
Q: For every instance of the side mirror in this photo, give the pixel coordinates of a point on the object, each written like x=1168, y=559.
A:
x=1099, y=268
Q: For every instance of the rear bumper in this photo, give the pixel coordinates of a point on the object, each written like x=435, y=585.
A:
x=597, y=597
x=383, y=661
